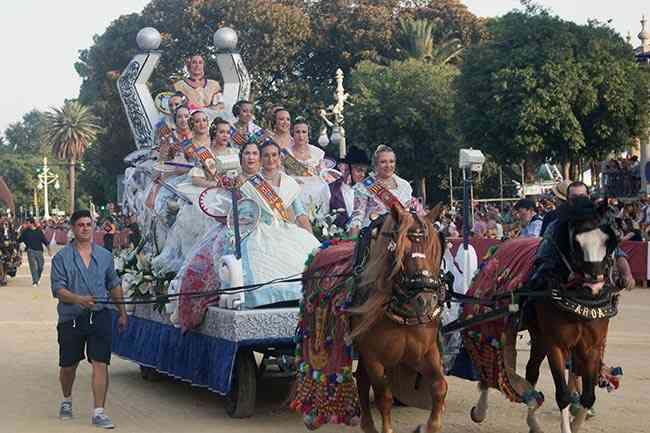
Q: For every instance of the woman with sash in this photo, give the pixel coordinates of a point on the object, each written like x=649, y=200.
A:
x=165, y=135
x=282, y=241
x=244, y=130
x=199, y=272
x=304, y=162
x=379, y=191
x=277, y=247
x=169, y=151
x=199, y=90
x=207, y=176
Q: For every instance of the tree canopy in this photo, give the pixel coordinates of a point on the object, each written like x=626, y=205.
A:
x=410, y=106
x=543, y=85
x=292, y=49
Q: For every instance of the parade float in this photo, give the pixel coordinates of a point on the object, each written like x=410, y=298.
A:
x=231, y=240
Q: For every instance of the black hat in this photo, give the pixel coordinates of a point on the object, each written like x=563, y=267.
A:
x=355, y=156
x=525, y=203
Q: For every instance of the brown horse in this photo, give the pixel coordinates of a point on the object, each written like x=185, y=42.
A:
x=571, y=322
x=398, y=324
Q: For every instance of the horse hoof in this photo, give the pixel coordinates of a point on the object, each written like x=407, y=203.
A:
x=475, y=417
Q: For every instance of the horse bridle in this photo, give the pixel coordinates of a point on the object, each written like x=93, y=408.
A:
x=405, y=306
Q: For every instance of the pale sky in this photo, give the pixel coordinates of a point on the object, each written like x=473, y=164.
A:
x=41, y=40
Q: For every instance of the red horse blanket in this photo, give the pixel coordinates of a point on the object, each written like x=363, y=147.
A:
x=325, y=389
x=491, y=345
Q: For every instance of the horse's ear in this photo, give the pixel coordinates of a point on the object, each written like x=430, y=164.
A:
x=434, y=213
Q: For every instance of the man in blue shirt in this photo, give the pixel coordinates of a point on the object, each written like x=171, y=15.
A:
x=530, y=222
x=81, y=274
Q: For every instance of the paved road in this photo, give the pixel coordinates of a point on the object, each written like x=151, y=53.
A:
x=29, y=390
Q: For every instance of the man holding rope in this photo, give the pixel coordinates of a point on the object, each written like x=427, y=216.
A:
x=82, y=273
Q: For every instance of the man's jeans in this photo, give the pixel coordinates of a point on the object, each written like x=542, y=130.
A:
x=36, y=262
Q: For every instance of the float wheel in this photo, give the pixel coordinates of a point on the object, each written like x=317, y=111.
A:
x=240, y=401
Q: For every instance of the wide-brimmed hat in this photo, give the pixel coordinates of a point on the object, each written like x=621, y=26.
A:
x=355, y=156
x=561, y=190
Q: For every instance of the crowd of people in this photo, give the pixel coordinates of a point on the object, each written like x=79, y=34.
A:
x=528, y=216
x=621, y=177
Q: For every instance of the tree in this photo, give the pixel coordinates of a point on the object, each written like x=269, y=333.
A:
x=543, y=86
x=292, y=49
x=410, y=106
x=416, y=37
x=69, y=130
x=25, y=136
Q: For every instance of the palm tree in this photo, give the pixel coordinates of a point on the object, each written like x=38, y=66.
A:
x=417, y=39
x=70, y=130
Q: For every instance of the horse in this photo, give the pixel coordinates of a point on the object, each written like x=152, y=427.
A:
x=392, y=316
x=565, y=319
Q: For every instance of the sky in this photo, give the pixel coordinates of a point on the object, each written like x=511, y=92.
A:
x=42, y=39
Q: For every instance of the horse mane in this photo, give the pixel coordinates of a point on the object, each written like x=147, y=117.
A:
x=380, y=272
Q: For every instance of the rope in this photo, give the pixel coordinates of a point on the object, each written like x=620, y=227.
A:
x=230, y=291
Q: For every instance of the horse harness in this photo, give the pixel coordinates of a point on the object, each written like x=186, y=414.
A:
x=416, y=299
x=571, y=297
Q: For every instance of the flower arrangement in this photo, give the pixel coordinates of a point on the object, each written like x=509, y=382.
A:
x=138, y=280
x=323, y=224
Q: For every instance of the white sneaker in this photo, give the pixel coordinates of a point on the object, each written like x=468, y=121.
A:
x=103, y=421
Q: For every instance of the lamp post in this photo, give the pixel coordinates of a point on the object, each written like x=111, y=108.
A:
x=643, y=59
x=45, y=178
x=470, y=161
x=335, y=112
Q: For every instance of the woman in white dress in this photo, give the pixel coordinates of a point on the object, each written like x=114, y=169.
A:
x=282, y=241
x=276, y=248
x=310, y=159
x=380, y=190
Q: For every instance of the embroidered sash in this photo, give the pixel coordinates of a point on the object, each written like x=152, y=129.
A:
x=292, y=166
x=188, y=149
x=207, y=160
x=382, y=193
x=239, y=137
x=269, y=195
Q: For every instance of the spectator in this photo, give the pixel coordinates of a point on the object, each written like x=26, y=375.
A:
x=34, y=239
x=529, y=221
x=560, y=194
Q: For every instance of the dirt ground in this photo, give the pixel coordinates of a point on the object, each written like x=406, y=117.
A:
x=30, y=393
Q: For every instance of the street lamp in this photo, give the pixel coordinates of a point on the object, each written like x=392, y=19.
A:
x=46, y=178
x=642, y=55
x=470, y=161
x=335, y=112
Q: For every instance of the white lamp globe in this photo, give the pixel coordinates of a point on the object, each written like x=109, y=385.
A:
x=148, y=39
x=225, y=39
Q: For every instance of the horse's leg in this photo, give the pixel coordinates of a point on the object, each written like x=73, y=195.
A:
x=557, y=363
x=363, y=385
x=479, y=412
x=537, y=355
x=433, y=368
x=383, y=395
x=590, y=369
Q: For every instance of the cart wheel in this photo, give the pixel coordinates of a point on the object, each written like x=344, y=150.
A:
x=240, y=401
